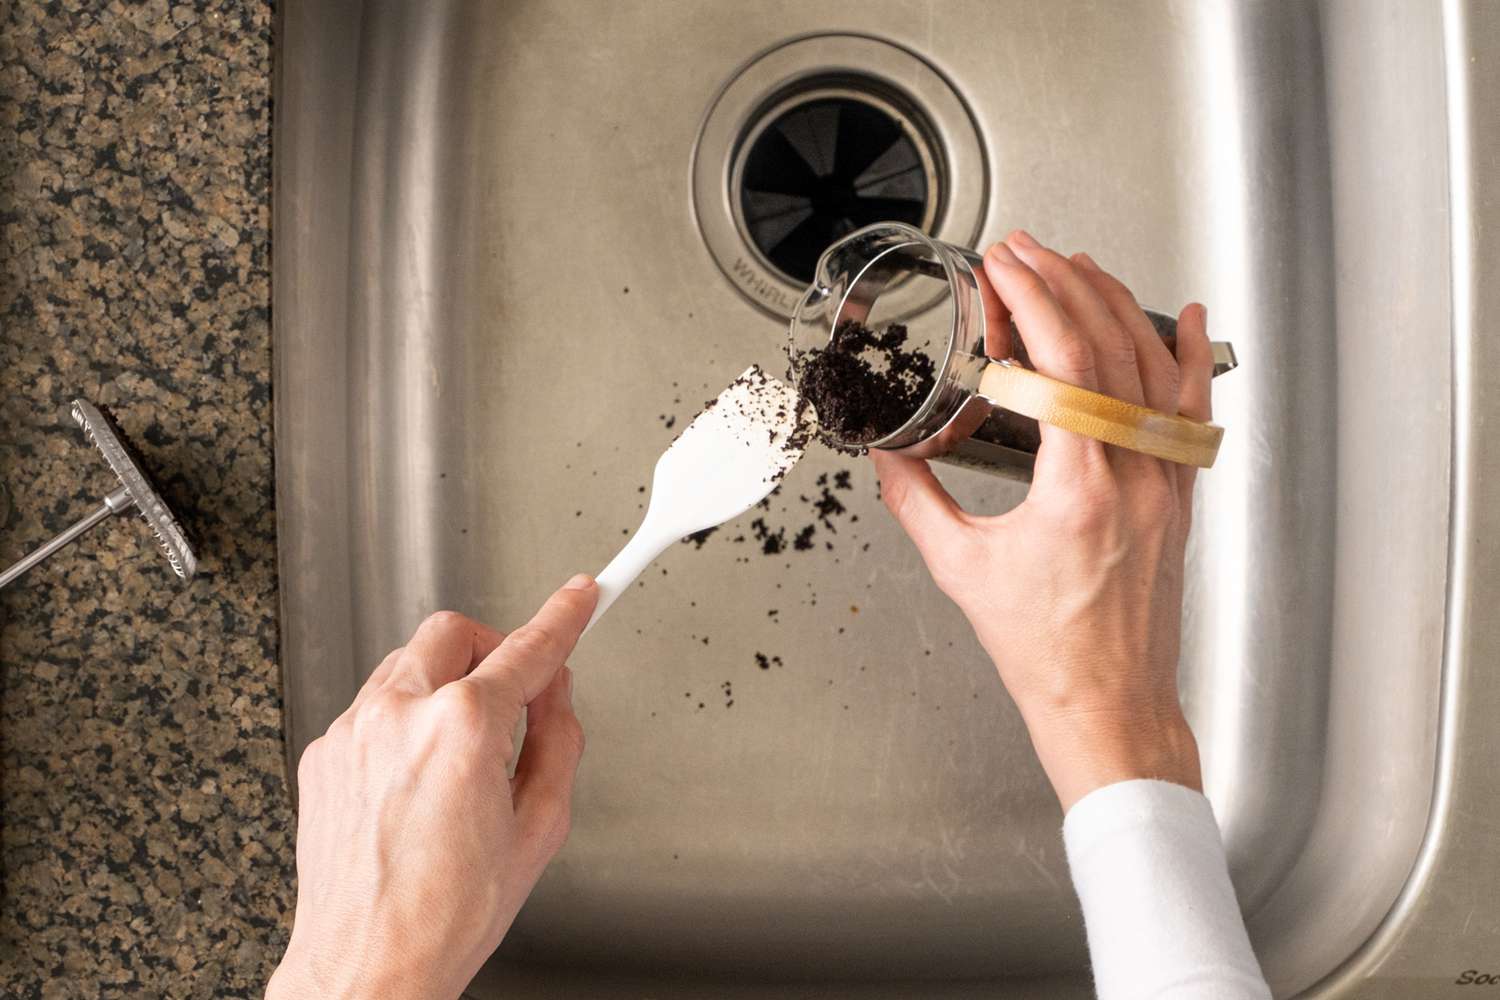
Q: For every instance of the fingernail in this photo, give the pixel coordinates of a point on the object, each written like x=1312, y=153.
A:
x=1087, y=261
x=1004, y=254
x=581, y=581
x=568, y=683
x=1022, y=237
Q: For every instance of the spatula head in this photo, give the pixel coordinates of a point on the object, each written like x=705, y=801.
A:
x=731, y=456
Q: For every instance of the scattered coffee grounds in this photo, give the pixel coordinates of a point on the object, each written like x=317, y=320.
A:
x=825, y=509
x=827, y=505
x=863, y=385
x=771, y=542
x=764, y=662
x=699, y=537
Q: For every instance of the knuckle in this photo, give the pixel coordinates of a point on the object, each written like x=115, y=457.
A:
x=1119, y=350
x=378, y=711
x=461, y=706
x=340, y=729
x=443, y=620
x=1168, y=381
x=571, y=733
x=1117, y=289
x=1121, y=342
x=1075, y=355
x=532, y=640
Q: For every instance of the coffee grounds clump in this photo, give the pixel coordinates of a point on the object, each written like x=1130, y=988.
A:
x=864, y=384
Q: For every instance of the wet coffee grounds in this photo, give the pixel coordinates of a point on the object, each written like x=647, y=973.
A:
x=864, y=385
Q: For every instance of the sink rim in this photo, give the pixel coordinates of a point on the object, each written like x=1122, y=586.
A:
x=304, y=420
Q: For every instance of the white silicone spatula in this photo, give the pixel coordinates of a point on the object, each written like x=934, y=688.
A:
x=727, y=460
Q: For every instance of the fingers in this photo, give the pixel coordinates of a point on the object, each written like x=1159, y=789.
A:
x=997, y=335
x=445, y=647
x=527, y=660
x=542, y=789
x=1154, y=362
x=1195, y=361
x=1055, y=347
x=1054, y=343
x=1113, y=346
x=1195, y=356
x=937, y=525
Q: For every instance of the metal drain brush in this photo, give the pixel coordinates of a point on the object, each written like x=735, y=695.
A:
x=136, y=491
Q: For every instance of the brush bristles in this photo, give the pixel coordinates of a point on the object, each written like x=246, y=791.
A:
x=163, y=515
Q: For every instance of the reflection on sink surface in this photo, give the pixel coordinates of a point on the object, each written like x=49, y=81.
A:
x=482, y=206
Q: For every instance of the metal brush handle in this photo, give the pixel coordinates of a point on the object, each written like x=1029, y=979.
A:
x=117, y=502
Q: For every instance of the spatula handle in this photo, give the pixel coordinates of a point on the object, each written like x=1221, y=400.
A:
x=616, y=578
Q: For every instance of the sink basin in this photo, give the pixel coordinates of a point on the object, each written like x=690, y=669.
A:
x=803, y=775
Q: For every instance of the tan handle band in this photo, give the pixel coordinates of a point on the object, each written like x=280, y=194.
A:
x=1104, y=418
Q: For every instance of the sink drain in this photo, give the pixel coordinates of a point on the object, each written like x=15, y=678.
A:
x=824, y=166
x=819, y=136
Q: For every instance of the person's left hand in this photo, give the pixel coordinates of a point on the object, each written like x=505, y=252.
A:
x=415, y=850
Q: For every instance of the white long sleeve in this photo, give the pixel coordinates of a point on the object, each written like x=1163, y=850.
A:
x=1163, y=923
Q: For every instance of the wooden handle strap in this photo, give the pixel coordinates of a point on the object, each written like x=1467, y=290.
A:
x=1104, y=418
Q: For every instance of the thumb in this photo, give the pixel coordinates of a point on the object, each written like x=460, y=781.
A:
x=933, y=520
x=542, y=789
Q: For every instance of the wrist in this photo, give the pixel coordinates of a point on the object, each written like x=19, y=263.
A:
x=1084, y=751
x=314, y=974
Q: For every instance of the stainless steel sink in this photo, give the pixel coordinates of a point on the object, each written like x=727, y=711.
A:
x=516, y=241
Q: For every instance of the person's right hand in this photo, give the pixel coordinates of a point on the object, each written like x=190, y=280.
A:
x=415, y=847
x=1077, y=593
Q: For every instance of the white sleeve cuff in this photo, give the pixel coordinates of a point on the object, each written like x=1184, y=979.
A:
x=1161, y=915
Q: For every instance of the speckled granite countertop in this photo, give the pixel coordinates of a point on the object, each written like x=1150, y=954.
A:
x=147, y=832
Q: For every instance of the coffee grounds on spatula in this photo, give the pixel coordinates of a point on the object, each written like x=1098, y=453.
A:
x=863, y=385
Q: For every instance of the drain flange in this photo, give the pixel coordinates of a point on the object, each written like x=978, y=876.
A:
x=819, y=136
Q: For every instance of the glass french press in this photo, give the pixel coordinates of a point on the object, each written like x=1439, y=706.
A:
x=981, y=411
